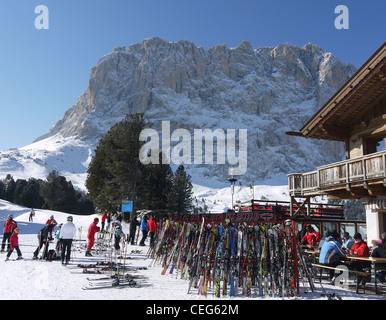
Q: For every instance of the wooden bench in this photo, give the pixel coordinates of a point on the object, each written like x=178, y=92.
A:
x=357, y=274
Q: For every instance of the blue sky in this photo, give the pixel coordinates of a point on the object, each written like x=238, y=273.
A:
x=43, y=72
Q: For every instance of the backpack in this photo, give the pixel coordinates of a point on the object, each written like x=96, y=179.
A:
x=52, y=255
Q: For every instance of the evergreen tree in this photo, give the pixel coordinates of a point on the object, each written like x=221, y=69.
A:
x=157, y=186
x=181, y=194
x=27, y=193
x=84, y=205
x=19, y=186
x=10, y=188
x=30, y=196
x=352, y=209
x=58, y=194
x=115, y=172
x=2, y=190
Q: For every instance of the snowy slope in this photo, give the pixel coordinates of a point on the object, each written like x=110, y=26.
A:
x=41, y=280
x=69, y=156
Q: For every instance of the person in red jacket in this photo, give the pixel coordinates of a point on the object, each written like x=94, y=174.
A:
x=92, y=230
x=52, y=221
x=359, y=249
x=104, y=217
x=9, y=226
x=152, y=224
x=14, y=241
x=311, y=237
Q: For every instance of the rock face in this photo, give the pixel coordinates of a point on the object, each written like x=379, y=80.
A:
x=267, y=91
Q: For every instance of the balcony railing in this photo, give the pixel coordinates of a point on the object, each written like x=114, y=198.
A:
x=359, y=170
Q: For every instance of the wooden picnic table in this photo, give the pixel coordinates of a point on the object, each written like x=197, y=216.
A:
x=314, y=254
x=374, y=261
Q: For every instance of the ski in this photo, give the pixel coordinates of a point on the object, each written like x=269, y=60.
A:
x=232, y=266
x=219, y=258
x=172, y=254
x=253, y=259
x=126, y=276
x=113, y=284
x=193, y=269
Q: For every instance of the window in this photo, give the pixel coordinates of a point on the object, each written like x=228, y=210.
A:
x=379, y=144
x=375, y=145
x=347, y=227
x=362, y=229
x=329, y=226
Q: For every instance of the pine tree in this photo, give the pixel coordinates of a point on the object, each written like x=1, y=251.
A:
x=10, y=188
x=181, y=194
x=19, y=186
x=115, y=172
x=2, y=190
x=84, y=205
x=58, y=193
x=157, y=186
x=30, y=196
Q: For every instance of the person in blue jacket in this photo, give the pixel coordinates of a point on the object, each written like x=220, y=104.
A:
x=332, y=253
x=145, y=230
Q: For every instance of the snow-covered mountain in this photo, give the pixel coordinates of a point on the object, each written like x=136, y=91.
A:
x=267, y=91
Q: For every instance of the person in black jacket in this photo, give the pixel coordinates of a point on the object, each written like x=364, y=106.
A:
x=43, y=237
x=133, y=228
x=379, y=251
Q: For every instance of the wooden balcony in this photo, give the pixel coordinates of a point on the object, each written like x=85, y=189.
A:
x=361, y=177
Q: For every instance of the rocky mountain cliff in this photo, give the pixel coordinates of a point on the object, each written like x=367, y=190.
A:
x=267, y=91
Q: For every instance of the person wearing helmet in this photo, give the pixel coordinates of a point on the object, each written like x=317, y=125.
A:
x=67, y=235
x=9, y=226
x=92, y=230
x=52, y=221
x=14, y=243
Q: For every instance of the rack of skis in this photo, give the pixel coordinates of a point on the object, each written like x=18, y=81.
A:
x=226, y=259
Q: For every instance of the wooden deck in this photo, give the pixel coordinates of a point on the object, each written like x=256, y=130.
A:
x=350, y=179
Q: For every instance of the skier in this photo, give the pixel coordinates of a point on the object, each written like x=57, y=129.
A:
x=118, y=234
x=103, y=220
x=152, y=224
x=92, y=230
x=311, y=237
x=133, y=228
x=51, y=220
x=58, y=248
x=108, y=222
x=14, y=241
x=43, y=237
x=145, y=230
x=31, y=215
x=67, y=234
x=9, y=226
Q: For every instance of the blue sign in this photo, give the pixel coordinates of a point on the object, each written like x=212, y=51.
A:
x=127, y=206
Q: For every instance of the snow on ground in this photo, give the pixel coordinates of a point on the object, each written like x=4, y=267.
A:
x=36, y=280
